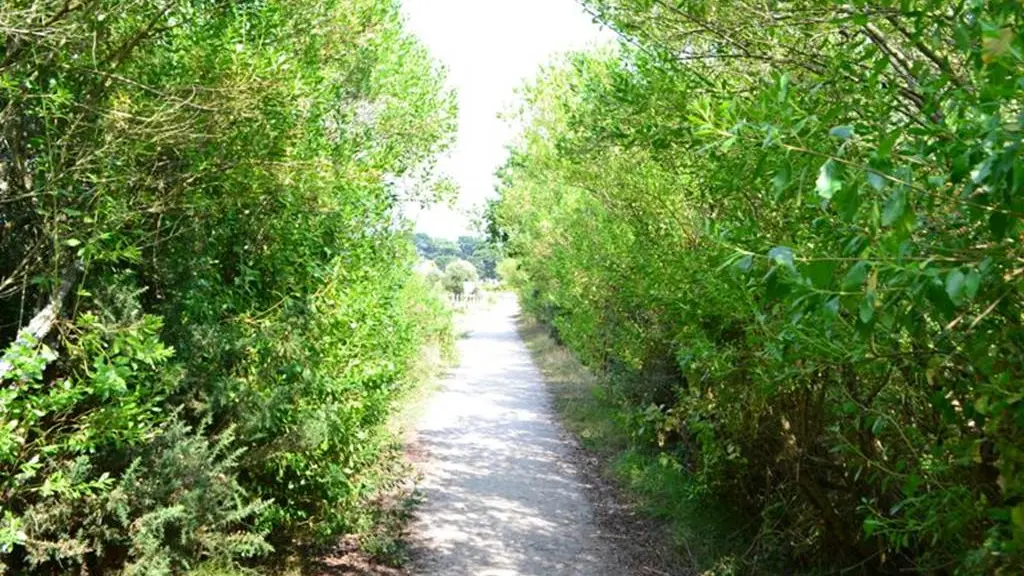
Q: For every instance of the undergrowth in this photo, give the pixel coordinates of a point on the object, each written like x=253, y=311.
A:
x=710, y=536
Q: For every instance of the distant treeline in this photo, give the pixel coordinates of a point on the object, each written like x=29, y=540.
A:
x=475, y=250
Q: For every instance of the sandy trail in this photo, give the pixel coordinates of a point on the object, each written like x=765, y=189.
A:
x=501, y=495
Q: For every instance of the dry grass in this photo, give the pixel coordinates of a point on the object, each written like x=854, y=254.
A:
x=577, y=393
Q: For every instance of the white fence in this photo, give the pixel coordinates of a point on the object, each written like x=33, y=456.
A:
x=465, y=298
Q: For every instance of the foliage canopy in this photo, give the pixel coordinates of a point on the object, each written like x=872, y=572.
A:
x=791, y=232
x=197, y=214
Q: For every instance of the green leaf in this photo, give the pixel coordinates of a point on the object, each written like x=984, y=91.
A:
x=955, y=283
x=885, y=144
x=878, y=425
x=998, y=222
x=912, y=483
x=972, y=283
x=841, y=132
x=781, y=180
x=876, y=180
x=832, y=305
x=961, y=166
x=782, y=255
x=828, y=182
x=981, y=171
x=937, y=295
x=847, y=202
x=783, y=87
x=866, y=310
x=72, y=242
x=981, y=405
x=819, y=272
x=774, y=288
x=855, y=245
x=938, y=399
x=1017, y=516
x=855, y=277
x=894, y=207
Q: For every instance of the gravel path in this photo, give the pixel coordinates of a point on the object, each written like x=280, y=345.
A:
x=502, y=497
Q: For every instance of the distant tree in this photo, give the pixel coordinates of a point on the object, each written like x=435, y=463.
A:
x=445, y=251
x=444, y=260
x=468, y=246
x=424, y=245
x=485, y=258
x=456, y=274
x=478, y=251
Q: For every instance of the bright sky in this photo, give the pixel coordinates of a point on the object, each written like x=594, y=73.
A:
x=489, y=48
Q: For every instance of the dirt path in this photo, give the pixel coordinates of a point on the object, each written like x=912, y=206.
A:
x=502, y=497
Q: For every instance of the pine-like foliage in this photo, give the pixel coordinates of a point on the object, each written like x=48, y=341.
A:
x=177, y=503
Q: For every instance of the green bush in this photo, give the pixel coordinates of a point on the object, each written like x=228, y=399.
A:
x=510, y=273
x=791, y=234
x=206, y=309
x=456, y=274
x=178, y=502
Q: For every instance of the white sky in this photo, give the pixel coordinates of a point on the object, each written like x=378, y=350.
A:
x=489, y=48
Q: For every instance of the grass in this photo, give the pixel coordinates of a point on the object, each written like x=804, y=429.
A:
x=384, y=542
x=433, y=364
x=711, y=536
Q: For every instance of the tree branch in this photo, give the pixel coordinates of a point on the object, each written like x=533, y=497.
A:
x=41, y=324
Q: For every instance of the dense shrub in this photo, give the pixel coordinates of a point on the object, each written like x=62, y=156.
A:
x=456, y=274
x=205, y=301
x=790, y=232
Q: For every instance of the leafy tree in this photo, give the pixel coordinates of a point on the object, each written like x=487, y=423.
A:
x=485, y=258
x=481, y=254
x=457, y=274
x=204, y=299
x=468, y=246
x=424, y=245
x=788, y=233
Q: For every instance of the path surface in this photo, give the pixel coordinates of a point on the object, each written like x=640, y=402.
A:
x=501, y=495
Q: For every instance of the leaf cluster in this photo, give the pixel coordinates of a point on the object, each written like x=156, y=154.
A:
x=790, y=232
x=206, y=310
